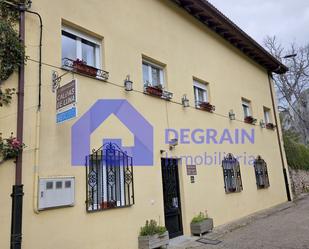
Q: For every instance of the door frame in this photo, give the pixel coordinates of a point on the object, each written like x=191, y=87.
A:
x=179, y=188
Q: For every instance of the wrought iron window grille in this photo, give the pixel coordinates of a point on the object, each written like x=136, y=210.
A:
x=261, y=173
x=109, y=178
x=231, y=174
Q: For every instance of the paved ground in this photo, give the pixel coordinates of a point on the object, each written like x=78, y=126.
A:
x=283, y=227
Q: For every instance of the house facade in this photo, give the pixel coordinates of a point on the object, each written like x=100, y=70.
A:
x=201, y=90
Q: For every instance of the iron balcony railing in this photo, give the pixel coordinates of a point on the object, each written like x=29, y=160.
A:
x=82, y=68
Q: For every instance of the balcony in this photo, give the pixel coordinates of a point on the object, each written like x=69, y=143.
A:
x=250, y=120
x=270, y=126
x=82, y=68
x=158, y=91
x=206, y=106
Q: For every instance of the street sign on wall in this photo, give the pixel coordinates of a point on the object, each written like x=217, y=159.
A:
x=191, y=170
x=66, y=102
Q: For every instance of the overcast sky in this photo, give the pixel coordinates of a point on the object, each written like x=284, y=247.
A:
x=287, y=19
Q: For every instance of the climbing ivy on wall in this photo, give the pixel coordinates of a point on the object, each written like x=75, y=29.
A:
x=12, y=51
x=12, y=55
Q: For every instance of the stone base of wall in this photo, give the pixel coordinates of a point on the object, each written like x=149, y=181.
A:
x=299, y=181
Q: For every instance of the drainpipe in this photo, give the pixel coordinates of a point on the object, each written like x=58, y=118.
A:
x=17, y=194
x=38, y=119
x=285, y=174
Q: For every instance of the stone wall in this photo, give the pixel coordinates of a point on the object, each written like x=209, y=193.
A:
x=299, y=181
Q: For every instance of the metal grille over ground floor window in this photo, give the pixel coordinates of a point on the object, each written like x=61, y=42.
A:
x=231, y=174
x=261, y=173
x=109, y=176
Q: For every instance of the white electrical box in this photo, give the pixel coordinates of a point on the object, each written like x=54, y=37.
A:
x=56, y=192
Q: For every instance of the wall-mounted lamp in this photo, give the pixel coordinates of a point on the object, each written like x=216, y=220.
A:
x=128, y=84
x=232, y=115
x=173, y=143
x=262, y=123
x=185, y=101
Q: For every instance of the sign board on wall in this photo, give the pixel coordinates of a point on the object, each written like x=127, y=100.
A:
x=66, y=102
x=191, y=170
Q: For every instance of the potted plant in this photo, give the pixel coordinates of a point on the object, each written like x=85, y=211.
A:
x=108, y=204
x=81, y=67
x=206, y=106
x=250, y=120
x=270, y=126
x=10, y=147
x=154, y=90
x=152, y=236
x=201, y=224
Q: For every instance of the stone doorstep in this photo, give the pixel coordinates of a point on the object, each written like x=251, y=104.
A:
x=186, y=242
x=182, y=242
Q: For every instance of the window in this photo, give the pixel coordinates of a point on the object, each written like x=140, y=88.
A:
x=49, y=185
x=200, y=92
x=68, y=184
x=231, y=174
x=110, y=179
x=261, y=173
x=267, y=115
x=76, y=45
x=152, y=74
x=246, y=108
x=58, y=185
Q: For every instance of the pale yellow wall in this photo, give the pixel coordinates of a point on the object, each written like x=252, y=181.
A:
x=162, y=31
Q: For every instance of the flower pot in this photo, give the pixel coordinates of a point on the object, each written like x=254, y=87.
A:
x=107, y=204
x=153, y=241
x=270, y=126
x=155, y=91
x=250, y=120
x=202, y=227
x=206, y=107
x=85, y=69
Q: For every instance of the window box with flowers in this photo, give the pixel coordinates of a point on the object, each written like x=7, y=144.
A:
x=108, y=204
x=250, y=120
x=10, y=148
x=81, y=67
x=206, y=106
x=154, y=90
x=270, y=126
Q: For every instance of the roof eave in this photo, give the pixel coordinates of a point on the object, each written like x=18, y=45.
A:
x=206, y=13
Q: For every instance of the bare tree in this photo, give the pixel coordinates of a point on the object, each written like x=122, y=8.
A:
x=293, y=87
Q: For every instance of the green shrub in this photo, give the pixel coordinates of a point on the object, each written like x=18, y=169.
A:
x=151, y=228
x=297, y=154
x=199, y=218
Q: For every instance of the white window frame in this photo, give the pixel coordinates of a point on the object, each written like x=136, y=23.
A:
x=149, y=66
x=79, y=36
x=248, y=105
x=267, y=115
x=202, y=86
